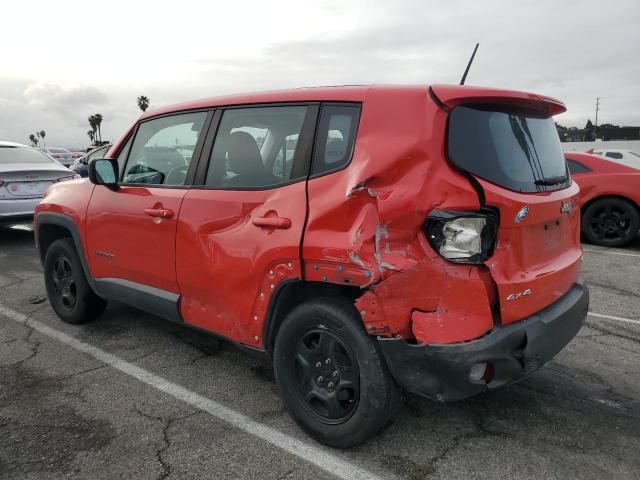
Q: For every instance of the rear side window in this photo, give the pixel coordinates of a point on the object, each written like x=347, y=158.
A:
x=516, y=149
x=577, y=167
x=256, y=147
x=335, y=139
x=162, y=149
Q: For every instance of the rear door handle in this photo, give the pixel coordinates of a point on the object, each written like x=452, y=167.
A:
x=158, y=212
x=272, y=222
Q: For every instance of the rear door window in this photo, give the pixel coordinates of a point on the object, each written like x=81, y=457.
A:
x=335, y=138
x=256, y=147
x=516, y=149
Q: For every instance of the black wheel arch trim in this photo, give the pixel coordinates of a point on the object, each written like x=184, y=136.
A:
x=66, y=222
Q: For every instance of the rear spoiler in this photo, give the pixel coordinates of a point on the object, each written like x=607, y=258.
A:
x=450, y=96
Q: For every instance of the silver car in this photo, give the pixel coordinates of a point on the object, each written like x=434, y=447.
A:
x=25, y=174
x=62, y=155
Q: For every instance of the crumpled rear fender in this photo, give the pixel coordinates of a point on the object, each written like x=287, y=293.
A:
x=364, y=226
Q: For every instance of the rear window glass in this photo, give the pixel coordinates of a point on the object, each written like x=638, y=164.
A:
x=336, y=137
x=516, y=149
x=22, y=155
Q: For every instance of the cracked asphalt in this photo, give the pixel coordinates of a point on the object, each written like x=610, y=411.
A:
x=65, y=414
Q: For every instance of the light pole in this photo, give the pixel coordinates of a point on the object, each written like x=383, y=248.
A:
x=595, y=127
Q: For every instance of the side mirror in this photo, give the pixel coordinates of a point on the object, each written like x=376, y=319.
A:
x=104, y=171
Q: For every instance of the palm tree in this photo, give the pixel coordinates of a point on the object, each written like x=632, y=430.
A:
x=43, y=134
x=94, y=127
x=92, y=135
x=33, y=140
x=98, y=119
x=143, y=103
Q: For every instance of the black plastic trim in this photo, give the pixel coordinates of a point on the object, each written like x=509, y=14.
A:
x=437, y=101
x=150, y=299
x=66, y=222
x=441, y=371
x=268, y=328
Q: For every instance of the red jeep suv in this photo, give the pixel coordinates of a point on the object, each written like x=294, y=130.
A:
x=369, y=239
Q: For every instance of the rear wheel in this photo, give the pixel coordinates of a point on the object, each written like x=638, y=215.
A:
x=69, y=293
x=332, y=375
x=610, y=222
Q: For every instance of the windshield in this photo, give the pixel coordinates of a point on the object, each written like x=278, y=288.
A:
x=516, y=149
x=22, y=155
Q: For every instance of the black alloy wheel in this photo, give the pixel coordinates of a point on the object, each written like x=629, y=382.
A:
x=332, y=375
x=64, y=284
x=610, y=222
x=326, y=376
x=68, y=290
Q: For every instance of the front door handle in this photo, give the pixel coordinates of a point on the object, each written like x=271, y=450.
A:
x=272, y=222
x=158, y=212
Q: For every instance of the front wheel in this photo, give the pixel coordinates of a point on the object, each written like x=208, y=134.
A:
x=610, y=222
x=332, y=376
x=69, y=293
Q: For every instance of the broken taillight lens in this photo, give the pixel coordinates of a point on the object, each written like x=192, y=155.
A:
x=462, y=237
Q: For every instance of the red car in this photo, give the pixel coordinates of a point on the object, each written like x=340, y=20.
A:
x=609, y=199
x=368, y=239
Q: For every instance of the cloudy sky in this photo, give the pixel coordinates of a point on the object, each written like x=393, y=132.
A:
x=65, y=60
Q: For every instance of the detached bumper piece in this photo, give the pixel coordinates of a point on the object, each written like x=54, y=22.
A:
x=506, y=354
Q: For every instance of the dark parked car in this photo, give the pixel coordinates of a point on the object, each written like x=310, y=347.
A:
x=80, y=165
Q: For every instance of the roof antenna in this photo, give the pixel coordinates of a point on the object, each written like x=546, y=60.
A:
x=464, y=77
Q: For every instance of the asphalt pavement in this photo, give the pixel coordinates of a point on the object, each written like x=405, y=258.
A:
x=134, y=396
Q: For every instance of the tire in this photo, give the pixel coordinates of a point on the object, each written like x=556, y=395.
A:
x=316, y=340
x=610, y=222
x=69, y=293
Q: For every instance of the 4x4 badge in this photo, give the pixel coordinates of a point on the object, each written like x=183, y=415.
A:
x=522, y=214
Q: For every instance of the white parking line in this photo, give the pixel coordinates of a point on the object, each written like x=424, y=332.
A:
x=617, y=319
x=624, y=254
x=314, y=454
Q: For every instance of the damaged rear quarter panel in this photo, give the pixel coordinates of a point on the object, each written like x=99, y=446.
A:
x=364, y=224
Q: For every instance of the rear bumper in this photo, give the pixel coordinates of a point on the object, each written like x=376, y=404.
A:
x=19, y=209
x=441, y=372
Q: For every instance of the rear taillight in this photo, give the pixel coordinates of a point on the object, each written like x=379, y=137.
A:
x=462, y=237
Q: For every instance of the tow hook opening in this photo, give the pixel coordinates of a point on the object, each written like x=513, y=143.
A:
x=482, y=372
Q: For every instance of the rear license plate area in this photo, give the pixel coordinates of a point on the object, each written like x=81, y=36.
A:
x=27, y=189
x=552, y=234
